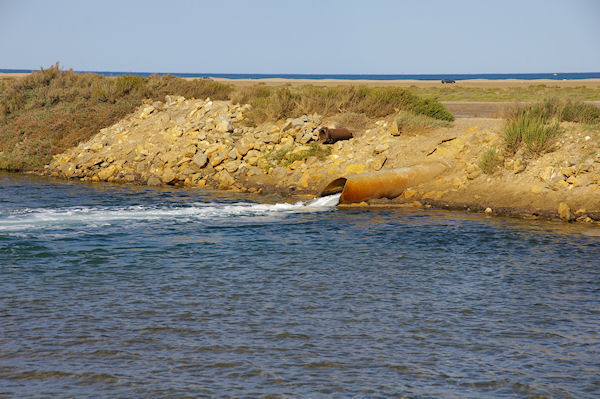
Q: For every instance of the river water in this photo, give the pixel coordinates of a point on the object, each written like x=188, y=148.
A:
x=116, y=291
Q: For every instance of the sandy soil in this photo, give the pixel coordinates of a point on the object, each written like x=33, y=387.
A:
x=474, y=83
x=12, y=75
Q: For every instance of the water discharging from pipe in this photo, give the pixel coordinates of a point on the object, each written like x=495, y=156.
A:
x=328, y=201
x=388, y=183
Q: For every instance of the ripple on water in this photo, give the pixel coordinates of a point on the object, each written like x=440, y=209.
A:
x=130, y=292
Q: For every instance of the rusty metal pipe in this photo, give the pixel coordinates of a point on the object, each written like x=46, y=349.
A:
x=330, y=136
x=382, y=184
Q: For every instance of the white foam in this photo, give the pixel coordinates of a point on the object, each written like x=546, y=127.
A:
x=325, y=202
x=92, y=217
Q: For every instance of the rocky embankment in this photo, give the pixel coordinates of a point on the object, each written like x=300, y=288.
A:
x=206, y=143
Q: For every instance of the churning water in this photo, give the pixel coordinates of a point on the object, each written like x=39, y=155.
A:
x=112, y=291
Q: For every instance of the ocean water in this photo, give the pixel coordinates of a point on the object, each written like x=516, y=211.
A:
x=492, y=76
x=124, y=291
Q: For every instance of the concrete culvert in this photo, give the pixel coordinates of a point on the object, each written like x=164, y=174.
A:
x=382, y=184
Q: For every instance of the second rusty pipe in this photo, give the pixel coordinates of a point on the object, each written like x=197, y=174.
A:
x=330, y=136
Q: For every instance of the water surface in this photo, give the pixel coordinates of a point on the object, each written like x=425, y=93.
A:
x=116, y=291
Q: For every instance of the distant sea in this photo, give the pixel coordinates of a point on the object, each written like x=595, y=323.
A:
x=492, y=76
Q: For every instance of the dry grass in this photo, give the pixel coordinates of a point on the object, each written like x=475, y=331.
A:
x=411, y=123
x=489, y=161
x=271, y=103
x=48, y=111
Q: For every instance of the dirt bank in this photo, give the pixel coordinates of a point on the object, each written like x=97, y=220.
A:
x=204, y=143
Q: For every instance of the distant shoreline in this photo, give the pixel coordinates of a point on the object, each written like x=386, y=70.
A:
x=593, y=83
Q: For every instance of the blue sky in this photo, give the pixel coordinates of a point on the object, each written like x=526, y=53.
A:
x=321, y=36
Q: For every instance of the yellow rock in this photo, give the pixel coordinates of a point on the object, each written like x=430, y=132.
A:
x=564, y=212
x=168, y=175
x=537, y=189
x=580, y=211
x=409, y=193
x=354, y=168
x=95, y=178
x=107, y=172
x=201, y=183
x=472, y=129
x=378, y=162
x=304, y=180
x=296, y=165
x=450, y=148
x=96, y=147
x=434, y=195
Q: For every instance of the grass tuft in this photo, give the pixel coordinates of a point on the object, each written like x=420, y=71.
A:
x=315, y=150
x=534, y=131
x=489, y=161
x=284, y=157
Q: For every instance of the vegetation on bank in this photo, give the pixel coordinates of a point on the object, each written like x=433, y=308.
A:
x=537, y=133
x=537, y=126
x=286, y=156
x=409, y=122
x=48, y=111
x=489, y=161
x=272, y=103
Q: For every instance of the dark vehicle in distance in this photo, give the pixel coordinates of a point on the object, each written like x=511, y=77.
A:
x=446, y=80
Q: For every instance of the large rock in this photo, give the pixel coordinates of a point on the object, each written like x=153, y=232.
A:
x=245, y=144
x=223, y=124
x=253, y=157
x=224, y=179
x=378, y=162
x=200, y=160
x=107, y=172
x=564, y=212
x=232, y=166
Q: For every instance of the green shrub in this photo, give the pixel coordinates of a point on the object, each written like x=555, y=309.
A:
x=513, y=134
x=539, y=136
x=489, y=161
x=561, y=110
x=533, y=130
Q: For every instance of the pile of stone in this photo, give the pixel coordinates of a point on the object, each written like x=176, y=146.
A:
x=179, y=141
